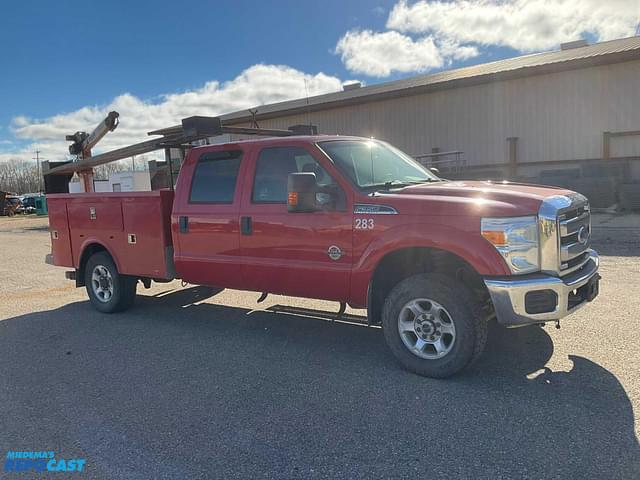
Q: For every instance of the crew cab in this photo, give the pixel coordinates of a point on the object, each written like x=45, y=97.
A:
x=348, y=219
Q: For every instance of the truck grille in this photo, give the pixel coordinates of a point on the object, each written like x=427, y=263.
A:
x=574, y=228
x=565, y=233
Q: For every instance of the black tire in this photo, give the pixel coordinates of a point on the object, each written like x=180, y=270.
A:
x=470, y=335
x=122, y=287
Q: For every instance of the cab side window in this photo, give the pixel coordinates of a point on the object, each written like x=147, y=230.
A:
x=273, y=168
x=215, y=177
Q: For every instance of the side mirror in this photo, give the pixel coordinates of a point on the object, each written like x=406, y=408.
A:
x=435, y=170
x=301, y=192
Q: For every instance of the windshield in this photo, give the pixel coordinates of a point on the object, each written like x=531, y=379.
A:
x=371, y=163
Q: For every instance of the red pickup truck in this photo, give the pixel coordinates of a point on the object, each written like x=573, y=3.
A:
x=348, y=219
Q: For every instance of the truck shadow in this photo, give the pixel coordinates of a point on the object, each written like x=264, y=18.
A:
x=178, y=389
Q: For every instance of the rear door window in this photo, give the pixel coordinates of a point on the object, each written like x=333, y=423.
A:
x=215, y=177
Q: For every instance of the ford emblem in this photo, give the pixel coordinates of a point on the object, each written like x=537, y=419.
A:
x=583, y=235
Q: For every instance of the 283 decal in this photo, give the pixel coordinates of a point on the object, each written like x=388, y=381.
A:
x=364, y=224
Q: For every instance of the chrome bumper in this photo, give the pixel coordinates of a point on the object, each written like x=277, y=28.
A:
x=508, y=295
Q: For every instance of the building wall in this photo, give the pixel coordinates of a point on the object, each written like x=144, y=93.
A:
x=559, y=116
x=133, y=181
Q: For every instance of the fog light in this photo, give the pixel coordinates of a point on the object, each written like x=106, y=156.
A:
x=540, y=301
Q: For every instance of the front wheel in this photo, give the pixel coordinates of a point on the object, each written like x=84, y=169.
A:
x=433, y=325
x=108, y=290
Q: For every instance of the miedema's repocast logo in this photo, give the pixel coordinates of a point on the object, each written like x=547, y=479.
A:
x=41, y=462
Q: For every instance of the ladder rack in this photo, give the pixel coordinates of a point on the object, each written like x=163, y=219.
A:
x=179, y=136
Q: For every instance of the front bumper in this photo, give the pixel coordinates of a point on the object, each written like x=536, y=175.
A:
x=509, y=294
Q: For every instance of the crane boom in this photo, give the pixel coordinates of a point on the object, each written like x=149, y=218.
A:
x=83, y=142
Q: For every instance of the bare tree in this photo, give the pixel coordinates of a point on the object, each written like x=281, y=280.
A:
x=103, y=172
x=17, y=176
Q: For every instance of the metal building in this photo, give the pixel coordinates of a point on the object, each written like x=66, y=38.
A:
x=569, y=117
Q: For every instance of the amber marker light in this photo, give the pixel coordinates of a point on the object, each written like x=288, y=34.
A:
x=292, y=198
x=496, y=237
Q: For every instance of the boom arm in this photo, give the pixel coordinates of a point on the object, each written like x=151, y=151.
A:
x=83, y=142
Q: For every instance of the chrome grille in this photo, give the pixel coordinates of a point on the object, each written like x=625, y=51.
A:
x=574, y=227
x=565, y=231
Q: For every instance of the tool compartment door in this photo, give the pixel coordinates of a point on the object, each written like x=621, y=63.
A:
x=146, y=250
x=59, y=232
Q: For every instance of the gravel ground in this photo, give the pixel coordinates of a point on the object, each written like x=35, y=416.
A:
x=194, y=383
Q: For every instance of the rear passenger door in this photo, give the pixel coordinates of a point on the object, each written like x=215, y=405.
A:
x=206, y=219
x=301, y=254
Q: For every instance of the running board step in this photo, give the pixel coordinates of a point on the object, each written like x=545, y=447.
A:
x=320, y=314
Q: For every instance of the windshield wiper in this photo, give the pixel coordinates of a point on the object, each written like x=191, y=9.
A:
x=388, y=185
x=400, y=184
x=397, y=183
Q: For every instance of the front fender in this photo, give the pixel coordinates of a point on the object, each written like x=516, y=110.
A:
x=466, y=244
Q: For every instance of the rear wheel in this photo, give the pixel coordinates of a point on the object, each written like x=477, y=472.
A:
x=433, y=325
x=108, y=290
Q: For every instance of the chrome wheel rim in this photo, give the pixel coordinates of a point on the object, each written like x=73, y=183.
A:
x=102, y=283
x=426, y=328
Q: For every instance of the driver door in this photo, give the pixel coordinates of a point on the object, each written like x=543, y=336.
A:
x=299, y=254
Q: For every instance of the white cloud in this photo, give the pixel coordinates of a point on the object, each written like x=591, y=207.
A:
x=454, y=51
x=431, y=34
x=257, y=85
x=525, y=25
x=380, y=54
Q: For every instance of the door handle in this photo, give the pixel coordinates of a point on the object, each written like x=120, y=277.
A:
x=183, y=222
x=246, y=227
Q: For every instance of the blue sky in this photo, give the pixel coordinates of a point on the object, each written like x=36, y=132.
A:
x=65, y=55
x=69, y=61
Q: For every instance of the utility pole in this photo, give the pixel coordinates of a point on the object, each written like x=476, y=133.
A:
x=37, y=159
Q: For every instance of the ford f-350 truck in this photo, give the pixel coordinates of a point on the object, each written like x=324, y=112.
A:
x=348, y=219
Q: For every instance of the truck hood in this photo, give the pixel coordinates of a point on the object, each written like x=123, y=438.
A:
x=470, y=198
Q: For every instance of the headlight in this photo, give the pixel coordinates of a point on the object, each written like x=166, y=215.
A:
x=516, y=239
